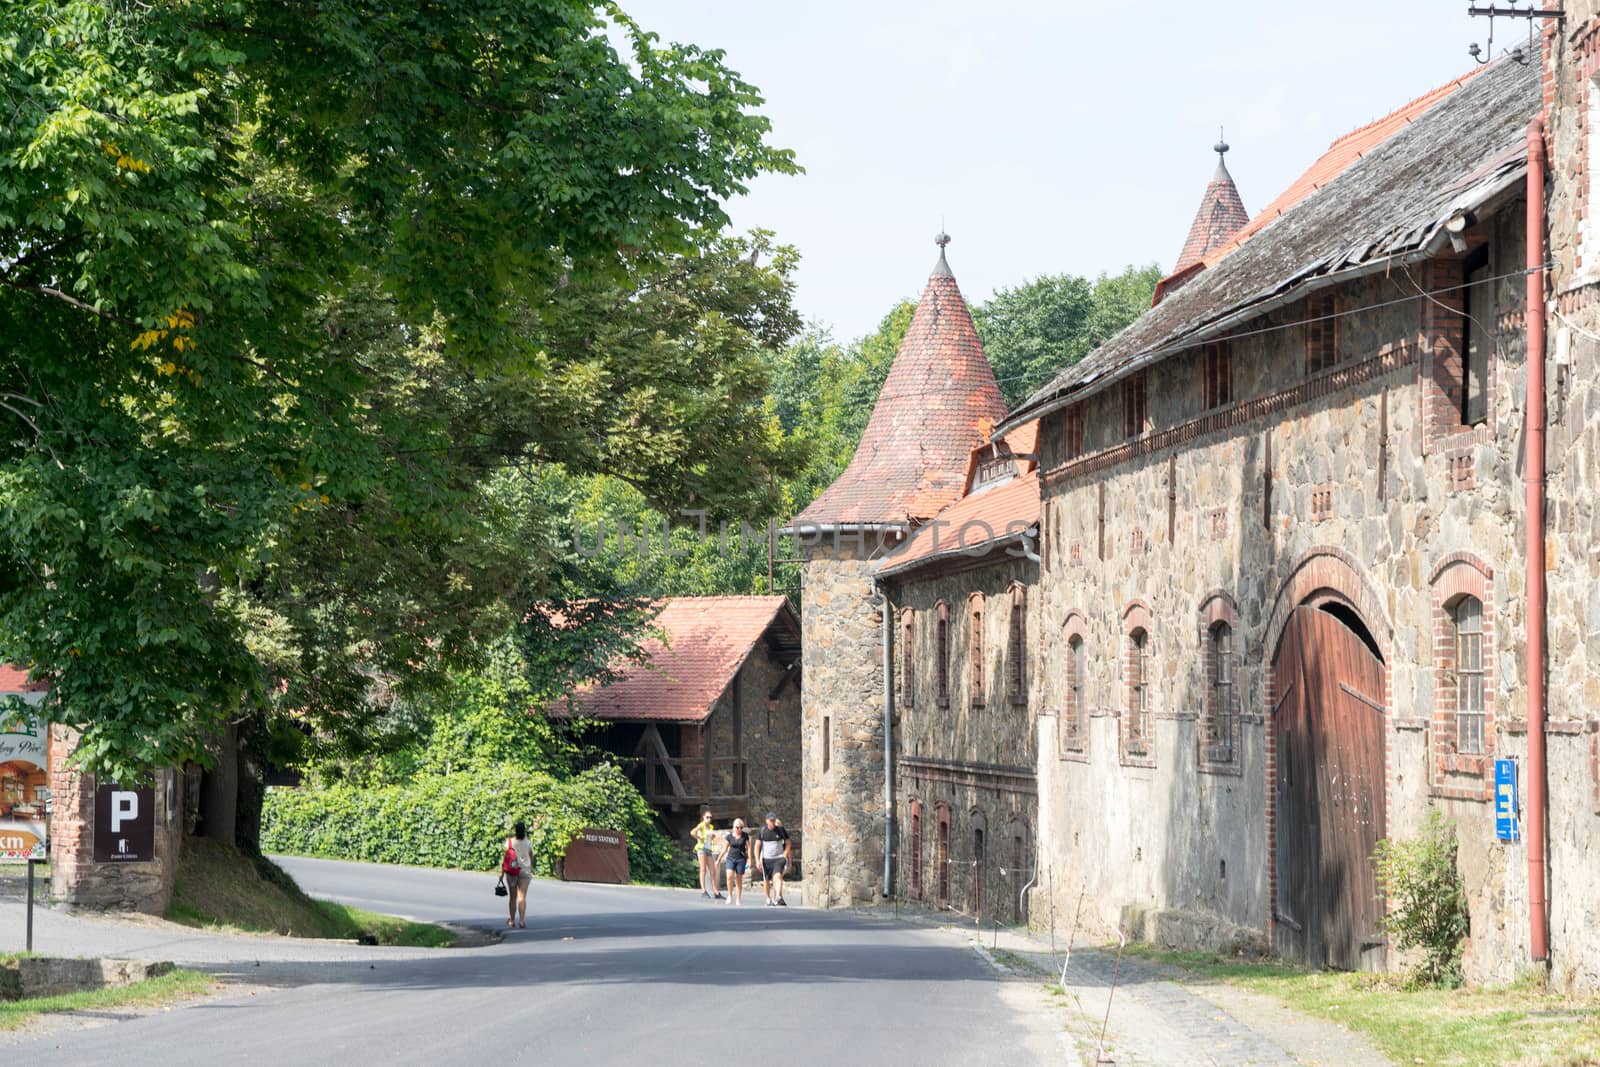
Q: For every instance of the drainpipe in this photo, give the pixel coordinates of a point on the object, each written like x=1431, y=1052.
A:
x=888, y=737
x=1534, y=523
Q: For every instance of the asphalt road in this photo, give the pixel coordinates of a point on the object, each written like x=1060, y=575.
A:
x=602, y=975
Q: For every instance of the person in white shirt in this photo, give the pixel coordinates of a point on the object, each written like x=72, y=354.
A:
x=517, y=866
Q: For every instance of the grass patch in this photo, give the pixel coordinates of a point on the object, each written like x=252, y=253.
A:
x=169, y=988
x=1520, y=1023
x=219, y=887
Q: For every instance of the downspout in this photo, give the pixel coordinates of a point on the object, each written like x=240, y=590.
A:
x=1534, y=527
x=888, y=738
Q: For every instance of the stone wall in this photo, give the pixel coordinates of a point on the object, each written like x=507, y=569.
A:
x=842, y=721
x=974, y=754
x=75, y=878
x=770, y=739
x=1307, y=485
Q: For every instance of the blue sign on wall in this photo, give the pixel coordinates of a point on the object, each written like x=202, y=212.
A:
x=1505, y=800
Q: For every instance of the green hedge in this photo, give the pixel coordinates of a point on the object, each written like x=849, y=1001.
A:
x=462, y=821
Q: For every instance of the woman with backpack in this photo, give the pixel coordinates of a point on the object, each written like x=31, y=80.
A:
x=517, y=868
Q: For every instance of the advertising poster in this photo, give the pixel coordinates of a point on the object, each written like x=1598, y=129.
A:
x=24, y=781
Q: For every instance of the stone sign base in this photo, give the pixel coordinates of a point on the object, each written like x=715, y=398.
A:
x=42, y=976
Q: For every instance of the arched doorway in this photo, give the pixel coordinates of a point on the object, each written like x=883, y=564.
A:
x=1328, y=725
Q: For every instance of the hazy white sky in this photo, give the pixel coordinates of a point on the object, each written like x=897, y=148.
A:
x=1054, y=135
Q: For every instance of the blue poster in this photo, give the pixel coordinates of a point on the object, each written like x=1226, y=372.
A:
x=1505, y=800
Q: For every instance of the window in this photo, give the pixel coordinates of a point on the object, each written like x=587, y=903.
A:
x=1134, y=395
x=1467, y=619
x=1138, y=691
x=1217, y=358
x=827, y=743
x=908, y=658
x=1021, y=871
x=1219, y=724
x=975, y=645
x=1477, y=312
x=941, y=853
x=941, y=655
x=977, y=870
x=1016, y=647
x=1073, y=709
x=1322, y=331
x=915, y=888
x=1072, y=443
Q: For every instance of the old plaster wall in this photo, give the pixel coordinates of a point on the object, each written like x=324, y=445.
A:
x=977, y=758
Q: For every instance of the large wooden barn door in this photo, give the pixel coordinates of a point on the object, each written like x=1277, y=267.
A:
x=1329, y=726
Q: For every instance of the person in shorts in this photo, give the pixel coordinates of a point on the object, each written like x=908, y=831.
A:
x=705, y=853
x=774, y=860
x=517, y=867
x=734, y=858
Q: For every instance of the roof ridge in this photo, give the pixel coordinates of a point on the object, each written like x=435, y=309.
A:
x=1439, y=90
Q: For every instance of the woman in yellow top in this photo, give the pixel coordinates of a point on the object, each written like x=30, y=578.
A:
x=705, y=851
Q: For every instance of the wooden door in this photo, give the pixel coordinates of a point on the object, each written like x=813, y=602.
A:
x=1329, y=725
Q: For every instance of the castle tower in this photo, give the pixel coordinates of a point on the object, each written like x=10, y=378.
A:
x=1220, y=216
x=939, y=400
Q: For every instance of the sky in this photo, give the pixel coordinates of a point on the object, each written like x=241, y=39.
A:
x=1048, y=136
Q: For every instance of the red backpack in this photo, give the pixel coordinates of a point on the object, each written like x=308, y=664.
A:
x=509, y=864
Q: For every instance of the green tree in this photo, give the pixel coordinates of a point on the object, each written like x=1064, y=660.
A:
x=1033, y=331
x=261, y=268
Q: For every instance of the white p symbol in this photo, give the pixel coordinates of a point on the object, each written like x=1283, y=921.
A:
x=124, y=808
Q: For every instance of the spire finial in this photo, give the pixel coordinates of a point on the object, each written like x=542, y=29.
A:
x=941, y=240
x=1221, y=147
x=942, y=268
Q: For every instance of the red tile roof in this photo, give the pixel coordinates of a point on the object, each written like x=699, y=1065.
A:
x=1220, y=216
x=708, y=640
x=993, y=513
x=939, y=400
x=14, y=679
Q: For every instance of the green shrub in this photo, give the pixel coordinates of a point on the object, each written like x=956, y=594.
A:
x=1427, y=902
x=462, y=821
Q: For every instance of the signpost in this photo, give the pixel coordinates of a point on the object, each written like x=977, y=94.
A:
x=24, y=788
x=1505, y=800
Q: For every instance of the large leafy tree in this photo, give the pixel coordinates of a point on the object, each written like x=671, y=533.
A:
x=278, y=282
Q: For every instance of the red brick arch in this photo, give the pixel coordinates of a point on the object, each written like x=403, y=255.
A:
x=1330, y=575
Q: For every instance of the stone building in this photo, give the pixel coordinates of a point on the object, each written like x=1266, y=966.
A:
x=712, y=718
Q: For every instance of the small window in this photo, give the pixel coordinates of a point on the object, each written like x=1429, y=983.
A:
x=1016, y=647
x=1139, y=691
x=915, y=845
x=941, y=653
x=975, y=678
x=1073, y=710
x=1134, y=396
x=1322, y=331
x=1072, y=442
x=827, y=743
x=1467, y=617
x=1219, y=724
x=978, y=870
x=1218, y=367
x=941, y=854
x=908, y=659
x=1477, y=311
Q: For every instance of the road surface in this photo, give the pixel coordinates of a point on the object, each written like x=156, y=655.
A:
x=602, y=975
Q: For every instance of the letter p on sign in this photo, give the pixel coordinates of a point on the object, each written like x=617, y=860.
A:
x=124, y=808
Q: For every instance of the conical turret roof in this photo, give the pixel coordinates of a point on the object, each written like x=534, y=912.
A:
x=1221, y=215
x=939, y=400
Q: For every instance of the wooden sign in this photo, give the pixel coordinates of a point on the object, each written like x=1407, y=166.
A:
x=596, y=855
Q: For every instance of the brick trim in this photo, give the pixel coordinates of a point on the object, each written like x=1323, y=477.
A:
x=1330, y=573
x=1222, y=755
x=975, y=651
x=908, y=652
x=914, y=831
x=941, y=654
x=1016, y=665
x=1072, y=725
x=1141, y=752
x=1454, y=774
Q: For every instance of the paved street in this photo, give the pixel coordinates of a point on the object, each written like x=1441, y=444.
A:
x=602, y=975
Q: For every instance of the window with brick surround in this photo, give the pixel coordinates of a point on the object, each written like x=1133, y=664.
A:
x=1016, y=648
x=941, y=851
x=1466, y=617
x=1135, y=396
x=1072, y=433
x=941, y=654
x=914, y=845
x=908, y=658
x=1138, y=691
x=1073, y=728
x=1217, y=366
x=1477, y=313
x=1219, y=713
x=975, y=648
x=1322, y=331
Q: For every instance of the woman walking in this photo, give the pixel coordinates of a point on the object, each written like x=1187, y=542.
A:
x=705, y=850
x=517, y=866
x=735, y=856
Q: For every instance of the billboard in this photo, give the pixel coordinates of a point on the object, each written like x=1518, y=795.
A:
x=24, y=780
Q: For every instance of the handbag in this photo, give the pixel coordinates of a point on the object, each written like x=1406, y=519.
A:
x=500, y=889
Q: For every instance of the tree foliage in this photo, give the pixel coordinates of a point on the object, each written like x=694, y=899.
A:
x=280, y=282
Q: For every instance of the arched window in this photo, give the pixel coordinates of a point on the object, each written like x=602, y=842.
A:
x=1021, y=866
x=914, y=846
x=941, y=654
x=1073, y=729
x=1138, y=713
x=941, y=851
x=980, y=867
x=1222, y=687
x=1466, y=616
x=908, y=658
x=975, y=647
x=1016, y=648
x=1219, y=713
